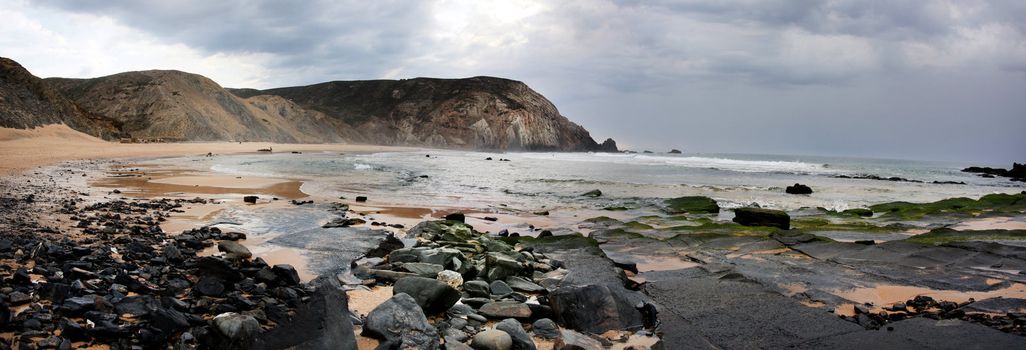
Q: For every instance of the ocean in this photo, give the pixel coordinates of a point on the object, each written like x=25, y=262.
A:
x=529, y=181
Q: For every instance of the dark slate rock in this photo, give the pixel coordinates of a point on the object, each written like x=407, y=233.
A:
x=500, y=288
x=570, y=340
x=432, y=295
x=456, y=217
x=524, y=285
x=595, y=308
x=762, y=217
x=286, y=274
x=798, y=189
x=505, y=309
x=477, y=288
x=400, y=323
x=209, y=286
x=321, y=322
x=521, y=340
x=545, y=328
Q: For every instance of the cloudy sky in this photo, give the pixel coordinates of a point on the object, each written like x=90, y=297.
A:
x=941, y=80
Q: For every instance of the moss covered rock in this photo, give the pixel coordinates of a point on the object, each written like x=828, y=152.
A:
x=691, y=204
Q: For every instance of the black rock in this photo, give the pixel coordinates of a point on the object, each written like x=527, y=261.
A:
x=545, y=328
x=321, y=322
x=250, y=199
x=209, y=286
x=595, y=308
x=168, y=321
x=762, y=217
x=5, y=315
x=361, y=199
x=400, y=323
x=432, y=295
x=592, y=193
x=798, y=189
x=286, y=274
x=456, y=217
x=500, y=288
x=21, y=277
x=477, y=288
x=18, y=298
x=389, y=244
x=521, y=340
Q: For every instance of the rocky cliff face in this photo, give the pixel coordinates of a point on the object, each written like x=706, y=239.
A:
x=181, y=106
x=27, y=101
x=472, y=113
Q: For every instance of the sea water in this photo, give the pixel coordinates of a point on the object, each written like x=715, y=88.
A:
x=462, y=179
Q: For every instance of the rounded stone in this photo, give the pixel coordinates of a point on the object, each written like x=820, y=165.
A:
x=492, y=339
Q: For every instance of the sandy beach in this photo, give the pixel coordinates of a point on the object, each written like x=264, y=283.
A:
x=676, y=261
x=21, y=149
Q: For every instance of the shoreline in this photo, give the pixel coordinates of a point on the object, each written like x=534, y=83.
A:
x=653, y=251
x=26, y=149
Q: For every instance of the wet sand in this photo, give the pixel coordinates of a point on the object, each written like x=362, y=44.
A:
x=21, y=150
x=886, y=295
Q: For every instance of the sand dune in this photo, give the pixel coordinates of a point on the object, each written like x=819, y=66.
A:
x=24, y=149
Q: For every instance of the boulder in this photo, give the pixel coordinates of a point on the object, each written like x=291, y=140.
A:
x=798, y=189
x=691, y=204
x=400, y=323
x=592, y=193
x=492, y=339
x=456, y=217
x=452, y=278
x=250, y=199
x=500, y=266
x=433, y=296
x=570, y=340
x=500, y=288
x=596, y=308
x=674, y=151
x=762, y=217
x=477, y=288
x=506, y=309
x=387, y=246
x=424, y=269
x=235, y=331
x=234, y=250
x=443, y=230
x=545, y=328
x=286, y=274
x=523, y=285
x=321, y=322
x=521, y=340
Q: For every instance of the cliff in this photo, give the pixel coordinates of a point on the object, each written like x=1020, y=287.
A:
x=483, y=113
x=26, y=101
x=472, y=113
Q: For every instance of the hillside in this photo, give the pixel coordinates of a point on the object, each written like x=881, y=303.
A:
x=472, y=113
x=182, y=106
x=26, y=101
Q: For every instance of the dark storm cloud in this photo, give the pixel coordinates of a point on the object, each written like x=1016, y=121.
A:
x=328, y=36
x=901, y=78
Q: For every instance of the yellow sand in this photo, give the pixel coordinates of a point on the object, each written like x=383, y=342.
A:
x=21, y=150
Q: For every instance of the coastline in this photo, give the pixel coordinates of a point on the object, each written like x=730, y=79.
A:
x=22, y=150
x=653, y=251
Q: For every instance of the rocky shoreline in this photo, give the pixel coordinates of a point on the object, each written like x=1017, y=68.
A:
x=98, y=271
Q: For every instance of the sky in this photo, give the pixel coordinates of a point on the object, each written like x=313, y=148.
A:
x=931, y=80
